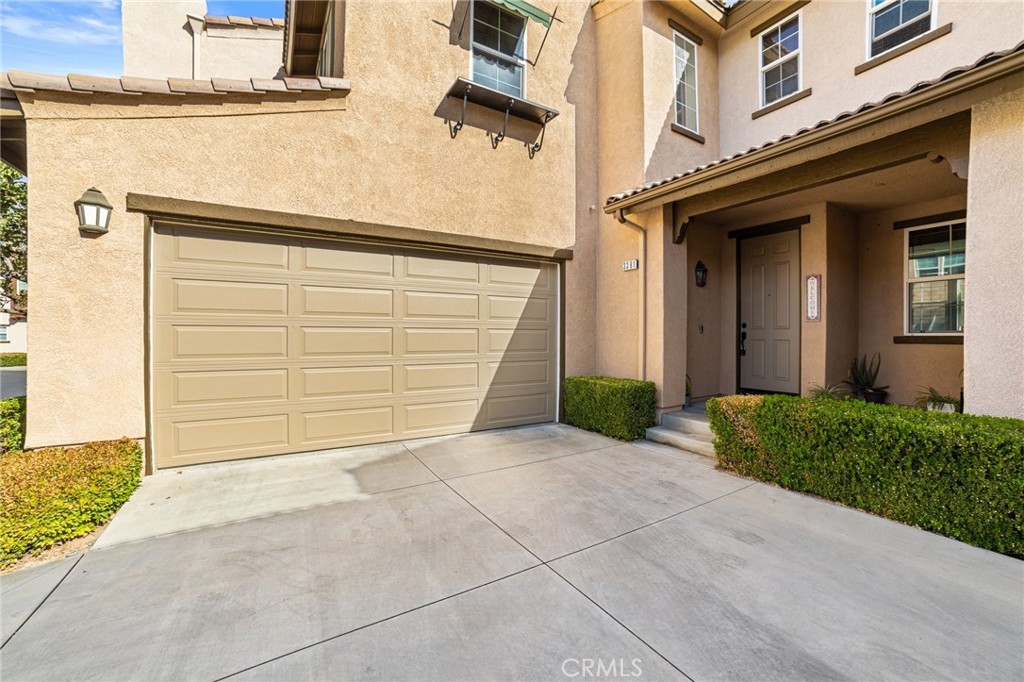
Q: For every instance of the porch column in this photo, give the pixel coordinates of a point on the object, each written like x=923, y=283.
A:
x=994, y=305
x=666, y=309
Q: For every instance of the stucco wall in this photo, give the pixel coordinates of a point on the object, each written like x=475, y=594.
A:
x=704, y=347
x=381, y=156
x=157, y=42
x=241, y=52
x=834, y=43
x=994, y=344
x=841, y=291
x=905, y=367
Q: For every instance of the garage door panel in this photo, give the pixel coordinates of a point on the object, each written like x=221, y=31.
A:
x=347, y=261
x=306, y=344
x=533, y=277
x=218, y=388
x=188, y=247
x=434, y=416
x=519, y=308
x=345, y=382
x=347, y=341
x=442, y=377
x=440, y=269
x=229, y=298
x=345, y=425
x=347, y=302
x=440, y=305
x=428, y=341
x=229, y=435
x=500, y=411
x=229, y=342
x=511, y=341
x=519, y=372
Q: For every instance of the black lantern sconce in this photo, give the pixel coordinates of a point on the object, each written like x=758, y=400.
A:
x=701, y=271
x=93, y=212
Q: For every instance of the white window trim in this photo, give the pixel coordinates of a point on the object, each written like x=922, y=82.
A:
x=799, y=56
x=933, y=9
x=521, y=61
x=908, y=280
x=696, y=85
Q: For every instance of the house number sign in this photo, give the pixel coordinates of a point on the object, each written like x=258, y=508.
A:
x=814, y=298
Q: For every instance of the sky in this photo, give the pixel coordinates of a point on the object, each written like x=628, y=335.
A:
x=82, y=36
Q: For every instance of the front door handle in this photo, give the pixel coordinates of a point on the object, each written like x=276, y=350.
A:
x=743, y=339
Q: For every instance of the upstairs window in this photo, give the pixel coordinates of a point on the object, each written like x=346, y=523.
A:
x=780, y=60
x=686, y=82
x=499, y=49
x=894, y=22
x=936, y=262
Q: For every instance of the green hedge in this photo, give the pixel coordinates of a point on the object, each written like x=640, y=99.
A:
x=958, y=475
x=620, y=408
x=12, y=424
x=51, y=495
x=13, y=359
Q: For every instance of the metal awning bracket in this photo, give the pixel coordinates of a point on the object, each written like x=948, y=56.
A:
x=532, y=149
x=496, y=139
x=453, y=130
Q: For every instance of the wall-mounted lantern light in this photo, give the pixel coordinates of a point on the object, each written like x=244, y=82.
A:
x=702, y=273
x=93, y=211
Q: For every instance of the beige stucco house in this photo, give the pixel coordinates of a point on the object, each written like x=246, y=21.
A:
x=422, y=215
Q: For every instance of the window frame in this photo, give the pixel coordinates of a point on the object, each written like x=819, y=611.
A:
x=4, y=334
x=908, y=280
x=870, y=38
x=799, y=57
x=678, y=35
x=522, y=62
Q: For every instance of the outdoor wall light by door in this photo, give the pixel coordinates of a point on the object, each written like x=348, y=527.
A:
x=702, y=273
x=93, y=211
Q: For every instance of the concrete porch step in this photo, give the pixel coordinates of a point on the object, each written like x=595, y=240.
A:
x=687, y=422
x=697, y=443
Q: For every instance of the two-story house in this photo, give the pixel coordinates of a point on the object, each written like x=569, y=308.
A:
x=13, y=319
x=432, y=211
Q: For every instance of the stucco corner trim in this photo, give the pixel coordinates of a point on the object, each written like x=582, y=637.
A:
x=676, y=128
x=903, y=49
x=185, y=210
x=778, y=104
x=936, y=340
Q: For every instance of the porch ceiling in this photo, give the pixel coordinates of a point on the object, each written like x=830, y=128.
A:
x=908, y=183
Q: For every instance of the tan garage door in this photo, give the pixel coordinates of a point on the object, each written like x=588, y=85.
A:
x=265, y=345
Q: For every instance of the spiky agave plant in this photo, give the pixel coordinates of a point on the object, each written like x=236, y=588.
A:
x=864, y=374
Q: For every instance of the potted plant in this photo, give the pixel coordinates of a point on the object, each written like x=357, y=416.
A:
x=863, y=375
x=933, y=401
x=689, y=392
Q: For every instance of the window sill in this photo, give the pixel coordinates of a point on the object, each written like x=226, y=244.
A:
x=676, y=128
x=779, y=103
x=903, y=49
x=932, y=339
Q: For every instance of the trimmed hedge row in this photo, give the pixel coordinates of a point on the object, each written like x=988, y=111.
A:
x=12, y=424
x=958, y=475
x=51, y=495
x=13, y=359
x=620, y=408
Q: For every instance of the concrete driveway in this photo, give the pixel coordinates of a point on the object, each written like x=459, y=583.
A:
x=12, y=381
x=539, y=553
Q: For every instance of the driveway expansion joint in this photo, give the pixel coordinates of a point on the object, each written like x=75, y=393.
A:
x=40, y=604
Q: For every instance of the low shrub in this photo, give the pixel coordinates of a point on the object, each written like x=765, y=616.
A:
x=12, y=424
x=13, y=359
x=953, y=474
x=620, y=408
x=51, y=495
